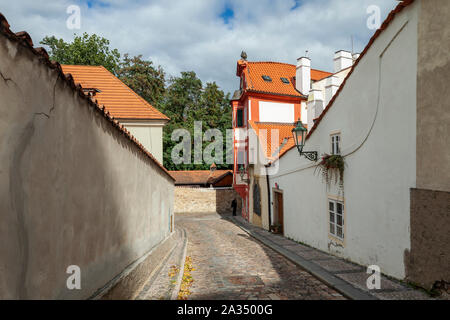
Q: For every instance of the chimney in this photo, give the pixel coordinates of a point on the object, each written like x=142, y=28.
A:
x=331, y=88
x=315, y=106
x=213, y=167
x=355, y=56
x=342, y=60
x=303, y=75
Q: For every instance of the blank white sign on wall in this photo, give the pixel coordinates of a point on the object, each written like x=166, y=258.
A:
x=276, y=112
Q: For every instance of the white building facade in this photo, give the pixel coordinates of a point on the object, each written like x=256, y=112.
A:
x=373, y=123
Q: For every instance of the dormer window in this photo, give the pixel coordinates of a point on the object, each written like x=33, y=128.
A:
x=285, y=80
x=267, y=78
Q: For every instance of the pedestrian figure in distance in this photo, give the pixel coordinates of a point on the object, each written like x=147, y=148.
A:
x=234, y=205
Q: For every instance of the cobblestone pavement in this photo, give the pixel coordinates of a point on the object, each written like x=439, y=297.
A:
x=229, y=264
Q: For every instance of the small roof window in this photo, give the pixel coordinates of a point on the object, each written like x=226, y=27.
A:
x=285, y=80
x=267, y=78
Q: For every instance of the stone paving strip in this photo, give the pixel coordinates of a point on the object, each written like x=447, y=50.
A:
x=165, y=282
x=228, y=264
x=346, y=277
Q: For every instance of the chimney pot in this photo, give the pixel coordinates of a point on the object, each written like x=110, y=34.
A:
x=303, y=75
x=342, y=60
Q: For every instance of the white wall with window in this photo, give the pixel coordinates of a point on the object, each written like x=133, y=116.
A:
x=375, y=114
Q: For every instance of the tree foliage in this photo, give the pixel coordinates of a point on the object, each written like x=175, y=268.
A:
x=187, y=101
x=145, y=79
x=87, y=49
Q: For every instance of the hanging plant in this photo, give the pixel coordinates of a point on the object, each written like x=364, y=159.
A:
x=331, y=167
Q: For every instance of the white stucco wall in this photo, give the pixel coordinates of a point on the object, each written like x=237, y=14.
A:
x=150, y=135
x=276, y=112
x=376, y=115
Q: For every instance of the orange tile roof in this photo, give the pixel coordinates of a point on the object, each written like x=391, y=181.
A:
x=199, y=177
x=276, y=70
x=285, y=139
x=24, y=39
x=118, y=99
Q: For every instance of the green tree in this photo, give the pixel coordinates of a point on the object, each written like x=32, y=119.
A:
x=145, y=79
x=83, y=50
x=187, y=101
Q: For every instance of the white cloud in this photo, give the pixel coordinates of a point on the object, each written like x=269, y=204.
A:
x=190, y=35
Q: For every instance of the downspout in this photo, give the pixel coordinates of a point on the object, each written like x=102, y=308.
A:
x=268, y=196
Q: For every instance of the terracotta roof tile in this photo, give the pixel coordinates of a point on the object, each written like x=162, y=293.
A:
x=199, y=177
x=275, y=70
x=285, y=139
x=24, y=39
x=119, y=99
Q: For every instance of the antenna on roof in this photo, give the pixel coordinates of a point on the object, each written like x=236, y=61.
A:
x=351, y=36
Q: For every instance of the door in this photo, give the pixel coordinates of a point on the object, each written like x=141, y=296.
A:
x=280, y=220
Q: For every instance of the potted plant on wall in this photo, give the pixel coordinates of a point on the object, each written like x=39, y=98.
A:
x=331, y=167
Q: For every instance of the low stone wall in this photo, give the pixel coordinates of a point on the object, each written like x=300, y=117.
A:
x=205, y=200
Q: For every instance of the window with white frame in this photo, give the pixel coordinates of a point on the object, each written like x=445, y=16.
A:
x=336, y=218
x=336, y=143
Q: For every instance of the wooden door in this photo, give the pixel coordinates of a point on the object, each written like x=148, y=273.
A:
x=280, y=210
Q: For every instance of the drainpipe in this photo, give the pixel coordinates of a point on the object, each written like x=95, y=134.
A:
x=268, y=197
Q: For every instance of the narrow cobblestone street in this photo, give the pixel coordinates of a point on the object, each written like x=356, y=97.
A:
x=229, y=264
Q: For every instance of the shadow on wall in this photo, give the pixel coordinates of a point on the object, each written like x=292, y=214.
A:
x=73, y=189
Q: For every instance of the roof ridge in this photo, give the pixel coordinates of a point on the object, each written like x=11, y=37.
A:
x=288, y=64
x=134, y=93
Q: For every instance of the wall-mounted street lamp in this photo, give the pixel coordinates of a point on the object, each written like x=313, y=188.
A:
x=299, y=133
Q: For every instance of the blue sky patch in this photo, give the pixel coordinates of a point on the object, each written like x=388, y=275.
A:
x=227, y=15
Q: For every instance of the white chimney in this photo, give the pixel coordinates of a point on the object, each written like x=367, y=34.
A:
x=303, y=75
x=342, y=60
x=331, y=87
x=315, y=106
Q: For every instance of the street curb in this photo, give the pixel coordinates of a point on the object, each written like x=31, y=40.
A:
x=331, y=280
x=177, y=287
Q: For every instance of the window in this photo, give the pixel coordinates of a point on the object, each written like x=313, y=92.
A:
x=240, y=118
x=285, y=80
x=336, y=218
x=267, y=78
x=336, y=143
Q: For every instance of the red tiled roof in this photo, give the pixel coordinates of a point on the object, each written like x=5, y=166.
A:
x=276, y=70
x=199, y=177
x=119, y=99
x=24, y=39
x=385, y=24
x=285, y=138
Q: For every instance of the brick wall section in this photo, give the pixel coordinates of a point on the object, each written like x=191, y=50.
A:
x=429, y=259
x=203, y=200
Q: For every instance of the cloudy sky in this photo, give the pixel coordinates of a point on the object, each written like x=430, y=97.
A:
x=207, y=36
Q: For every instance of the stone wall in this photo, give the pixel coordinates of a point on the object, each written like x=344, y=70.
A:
x=428, y=261
x=74, y=188
x=205, y=200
